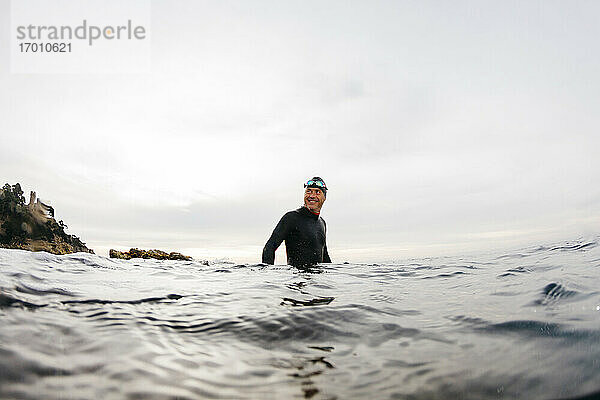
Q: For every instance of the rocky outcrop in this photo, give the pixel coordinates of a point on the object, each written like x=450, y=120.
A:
x=139, y=253
x=32, y=226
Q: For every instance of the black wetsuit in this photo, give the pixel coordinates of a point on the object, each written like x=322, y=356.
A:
x=304, y=235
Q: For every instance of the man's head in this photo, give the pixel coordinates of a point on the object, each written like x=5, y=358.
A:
x=315, y=192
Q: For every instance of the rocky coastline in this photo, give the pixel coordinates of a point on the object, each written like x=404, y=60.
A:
x=31, y=226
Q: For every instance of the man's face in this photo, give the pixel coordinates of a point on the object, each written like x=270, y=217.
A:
x=314, y=199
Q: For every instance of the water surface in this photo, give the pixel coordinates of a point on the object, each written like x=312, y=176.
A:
x=517, y=325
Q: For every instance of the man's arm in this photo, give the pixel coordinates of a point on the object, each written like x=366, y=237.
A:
x=326, y=258
x=278, y=235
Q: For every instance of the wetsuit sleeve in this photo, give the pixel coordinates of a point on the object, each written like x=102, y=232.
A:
x=326, y=258
x=278, y=236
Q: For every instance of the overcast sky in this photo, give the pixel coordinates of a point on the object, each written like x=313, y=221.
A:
x=440, y=128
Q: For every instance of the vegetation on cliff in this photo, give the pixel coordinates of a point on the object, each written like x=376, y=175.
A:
x=32, y=226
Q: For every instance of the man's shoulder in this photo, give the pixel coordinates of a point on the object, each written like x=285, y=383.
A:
x=291, y=214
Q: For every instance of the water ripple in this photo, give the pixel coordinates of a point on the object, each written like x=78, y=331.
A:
x=520, y=324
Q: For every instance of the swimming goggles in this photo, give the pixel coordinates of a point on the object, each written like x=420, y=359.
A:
x=320, y=184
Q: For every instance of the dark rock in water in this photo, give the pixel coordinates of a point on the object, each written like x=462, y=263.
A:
x=178, y=256
x=139, y=253
x=123, y=255
x=32, y=226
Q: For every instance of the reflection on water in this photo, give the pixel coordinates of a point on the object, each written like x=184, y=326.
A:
x=524, y=324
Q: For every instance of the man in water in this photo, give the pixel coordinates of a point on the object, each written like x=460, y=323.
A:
x=303, y=230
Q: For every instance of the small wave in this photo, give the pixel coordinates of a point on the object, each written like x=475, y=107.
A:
x=515, y=271
x=138, y=301
x=553, y=293
x=528, y=327
x=91, y=260
x=306, y=327
x=575, y=247
x=26, y=367
x=446, y=275
x=311, y=302
x=506, y=274
x=520, y=269
x=590, y=396
x=24, y=276
x=322, y=348
x=8, y=301
x=533, y=328
x=22, y=288
x=509, y=256
x=545, y=249
x=470, y=321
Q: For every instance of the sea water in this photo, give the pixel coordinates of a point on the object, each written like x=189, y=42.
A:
x=522, y=324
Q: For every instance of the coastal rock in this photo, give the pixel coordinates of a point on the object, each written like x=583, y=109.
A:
x=32, y=226
x=178, y=256
x=154, y=253
x=119, y=254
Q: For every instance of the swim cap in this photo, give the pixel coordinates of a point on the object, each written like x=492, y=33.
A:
x=317, y=182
